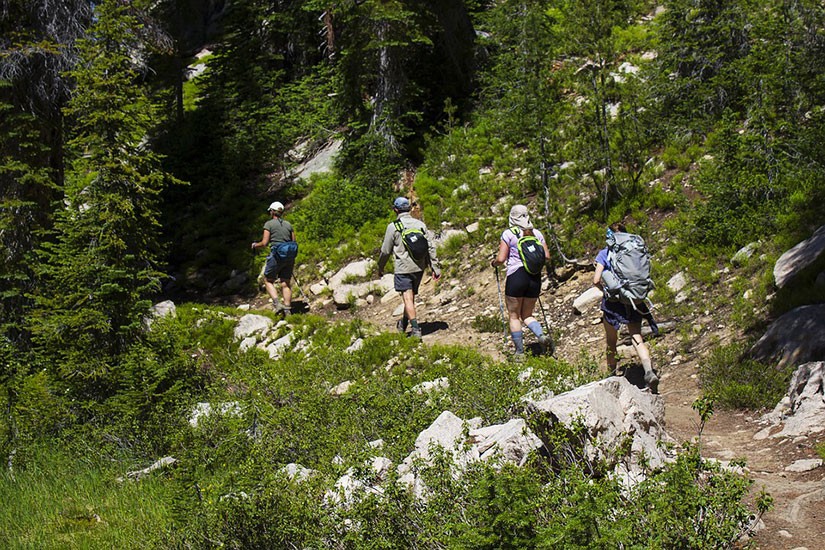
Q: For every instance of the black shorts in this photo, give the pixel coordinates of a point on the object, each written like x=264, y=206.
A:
x=407, y=281
x=521, y=284
x=274, y=270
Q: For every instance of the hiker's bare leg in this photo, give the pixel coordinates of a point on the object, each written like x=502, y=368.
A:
x=271, y=290
x=611, y=336
x=408, y=297
x=514, y=307
x=526, y=313
x=514, y=312
x=286, y=290
x=639, y=345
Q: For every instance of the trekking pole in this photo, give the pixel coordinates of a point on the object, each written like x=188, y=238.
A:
x=552, y=345
x=301, y=290
x=543, y=314
x=501, y=306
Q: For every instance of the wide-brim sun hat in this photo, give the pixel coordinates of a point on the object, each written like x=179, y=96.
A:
x=519, y=217
x=276, y=206
x=402, y=204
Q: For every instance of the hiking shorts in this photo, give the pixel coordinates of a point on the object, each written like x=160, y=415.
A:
x=275, y=270
x=617, y=314
x=407, y=281
x=520, y=284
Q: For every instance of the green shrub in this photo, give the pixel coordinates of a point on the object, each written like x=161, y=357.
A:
x=736, y=381
x=488, y=323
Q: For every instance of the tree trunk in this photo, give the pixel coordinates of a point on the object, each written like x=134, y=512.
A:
x=388, y=90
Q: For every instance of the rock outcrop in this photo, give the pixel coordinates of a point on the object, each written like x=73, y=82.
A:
x=802, y=411
x=798, y=258
x=794, y=339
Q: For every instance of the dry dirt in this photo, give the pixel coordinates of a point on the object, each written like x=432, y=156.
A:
x=798, y=517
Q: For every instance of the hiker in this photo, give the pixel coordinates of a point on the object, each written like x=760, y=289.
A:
x=409, y=261
x=523, y=283
x=616, y=313
x=277, y=231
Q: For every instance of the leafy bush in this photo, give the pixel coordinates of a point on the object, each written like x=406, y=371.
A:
x=736, y=381
x=488, y=323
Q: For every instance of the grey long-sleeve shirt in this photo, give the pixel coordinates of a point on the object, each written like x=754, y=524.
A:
x=394, y=246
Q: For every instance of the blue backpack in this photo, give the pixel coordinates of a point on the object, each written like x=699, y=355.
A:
x=285, y=251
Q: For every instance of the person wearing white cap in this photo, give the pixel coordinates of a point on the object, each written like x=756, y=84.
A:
x=277, y=231
x=408, y=271
x=522, y=288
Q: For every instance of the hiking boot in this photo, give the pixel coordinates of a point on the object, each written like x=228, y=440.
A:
x=652, y=381
x=401, y=325
x=415, y=333
x=286, y=311
x=547, y=344
x=518, y=357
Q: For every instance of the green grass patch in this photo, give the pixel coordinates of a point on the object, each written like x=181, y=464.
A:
x=65, y=501
x=733, y=380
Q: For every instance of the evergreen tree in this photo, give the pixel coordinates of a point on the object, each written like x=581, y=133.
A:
x=399, y=62
x=24, y=178
x=36, y=48
x=608, y=143
x=701, y=41
x=101, y=267
x=520, y=87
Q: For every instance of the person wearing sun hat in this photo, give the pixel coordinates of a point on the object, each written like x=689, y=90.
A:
x=277, y=230
x=407, y=272
x=522, y=289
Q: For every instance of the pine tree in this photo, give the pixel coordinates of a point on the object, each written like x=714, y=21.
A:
x=24, y=180
x=101, y=267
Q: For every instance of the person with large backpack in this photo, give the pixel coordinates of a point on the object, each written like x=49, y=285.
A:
x=407, y=241
x=280, y=263
x=524, y=250
x=623, y=275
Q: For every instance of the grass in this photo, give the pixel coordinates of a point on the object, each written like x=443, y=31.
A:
x=65, y=501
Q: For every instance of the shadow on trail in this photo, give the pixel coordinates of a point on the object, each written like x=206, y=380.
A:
x=429, y=328
x=300, y=306
x=635, y=374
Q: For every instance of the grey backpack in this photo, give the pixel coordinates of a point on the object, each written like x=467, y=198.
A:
x=629, y=279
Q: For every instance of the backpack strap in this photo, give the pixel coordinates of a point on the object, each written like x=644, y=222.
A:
x=515, y=231
x=398, y=225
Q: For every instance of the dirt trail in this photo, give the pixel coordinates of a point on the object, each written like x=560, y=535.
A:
x=446, y=312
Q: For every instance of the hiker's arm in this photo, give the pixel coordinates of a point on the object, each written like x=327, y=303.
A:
x=501, y=257
x=292, y=236
x=597, y=276
x=386, y=249
x=263, y=242
x=435, y=266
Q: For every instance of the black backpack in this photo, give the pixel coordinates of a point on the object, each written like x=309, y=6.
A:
x=415, y=241
x=531, y=252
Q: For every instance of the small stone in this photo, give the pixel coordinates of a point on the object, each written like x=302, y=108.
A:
x=804, y=465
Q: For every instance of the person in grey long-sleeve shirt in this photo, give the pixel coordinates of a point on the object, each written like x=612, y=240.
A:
x=407, y=273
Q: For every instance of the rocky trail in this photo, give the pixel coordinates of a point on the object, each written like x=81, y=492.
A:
x=447, y=309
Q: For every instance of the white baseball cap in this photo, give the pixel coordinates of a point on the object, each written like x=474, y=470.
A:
x=276, y=206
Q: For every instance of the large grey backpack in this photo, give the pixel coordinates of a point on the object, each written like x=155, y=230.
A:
x=629, y=279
